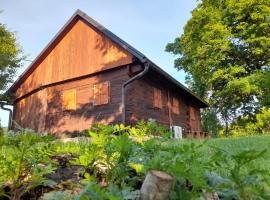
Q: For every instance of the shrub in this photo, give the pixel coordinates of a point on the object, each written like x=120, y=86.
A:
x=115, y=163
x=24, y=161
x=263, y=120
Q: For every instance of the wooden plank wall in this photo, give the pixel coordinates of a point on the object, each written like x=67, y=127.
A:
x=58, y=120
x=141, y=92
x=30, y=112
x=81, y=51
x=47, y=113
x=195, y=118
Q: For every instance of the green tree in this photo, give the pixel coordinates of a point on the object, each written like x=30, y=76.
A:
x=10, y=57
x=263, y=120
x=225, y=50
x=210, y=122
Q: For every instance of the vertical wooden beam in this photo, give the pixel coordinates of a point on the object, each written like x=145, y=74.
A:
x=169, y=107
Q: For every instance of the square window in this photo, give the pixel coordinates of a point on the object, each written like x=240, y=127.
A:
x=69, y=99
x=101, y=93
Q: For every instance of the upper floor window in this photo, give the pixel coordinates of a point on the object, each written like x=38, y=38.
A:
x=193, y=113
x=97, y=94
x=69, y=99
x=175, y=106
x=157, y=98
x=85, y=96
x=101, y=93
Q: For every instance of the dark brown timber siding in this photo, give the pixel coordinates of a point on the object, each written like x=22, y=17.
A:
x=65, y=89
x=140, y=105
x=55, y=119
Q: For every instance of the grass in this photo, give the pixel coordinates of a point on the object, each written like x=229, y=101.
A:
x=232, y=145
x=238, y=144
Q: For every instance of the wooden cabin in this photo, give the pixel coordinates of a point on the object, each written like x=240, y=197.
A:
x=87, y=75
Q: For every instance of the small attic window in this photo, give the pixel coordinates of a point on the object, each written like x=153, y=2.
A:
x=69, y=99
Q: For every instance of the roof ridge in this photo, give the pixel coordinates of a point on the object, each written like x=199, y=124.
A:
x=111, y=35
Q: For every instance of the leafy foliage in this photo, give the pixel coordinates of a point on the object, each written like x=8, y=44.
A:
x=252, y=125
x=263, y=120
x=10, y=56
x=112, y=192
x=114, y=162
x=225, y=52
x=58, y=195
x=210, y=122
x=242, y=177
x=23, y=159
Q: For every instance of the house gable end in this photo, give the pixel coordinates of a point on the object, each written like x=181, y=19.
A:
x=79, y=49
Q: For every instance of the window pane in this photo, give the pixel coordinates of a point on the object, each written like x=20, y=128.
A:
x=101, y=93
x=69, y=99
x=157, y=98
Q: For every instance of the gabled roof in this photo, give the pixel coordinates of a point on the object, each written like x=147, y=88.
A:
x=137, y=54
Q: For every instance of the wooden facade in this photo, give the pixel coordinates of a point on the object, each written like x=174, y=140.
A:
x=173, y=108
x=77, y=80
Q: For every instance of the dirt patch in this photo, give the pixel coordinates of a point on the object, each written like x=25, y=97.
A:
x=66, y=171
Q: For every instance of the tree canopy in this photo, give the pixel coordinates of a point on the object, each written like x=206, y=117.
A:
x=10, y=57
x=225, y=51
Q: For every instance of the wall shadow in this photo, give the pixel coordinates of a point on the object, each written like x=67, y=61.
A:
x=43, y=111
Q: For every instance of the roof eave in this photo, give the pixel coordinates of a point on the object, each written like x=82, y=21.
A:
x=28, y=70
x=203, y=104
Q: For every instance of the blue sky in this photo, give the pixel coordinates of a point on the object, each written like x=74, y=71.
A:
x=148, y=25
